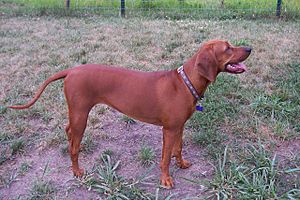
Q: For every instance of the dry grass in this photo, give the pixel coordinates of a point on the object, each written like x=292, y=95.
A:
x=32, y=49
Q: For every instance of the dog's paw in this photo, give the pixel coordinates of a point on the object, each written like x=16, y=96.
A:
x=183, y=164
x=166, y=182
x=78, y=172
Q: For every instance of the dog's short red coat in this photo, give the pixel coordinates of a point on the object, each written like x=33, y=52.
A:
x=159, y=98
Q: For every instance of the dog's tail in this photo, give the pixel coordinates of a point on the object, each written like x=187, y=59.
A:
x=57, y=76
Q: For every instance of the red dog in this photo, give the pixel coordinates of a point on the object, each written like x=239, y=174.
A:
x=147, y=96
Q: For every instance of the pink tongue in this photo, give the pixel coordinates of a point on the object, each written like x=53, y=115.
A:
x=238, y=68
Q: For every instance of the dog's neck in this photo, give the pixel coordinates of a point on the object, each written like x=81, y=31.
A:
x=199, y=82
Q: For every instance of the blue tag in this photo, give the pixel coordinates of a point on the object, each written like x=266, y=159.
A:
x=199, y=108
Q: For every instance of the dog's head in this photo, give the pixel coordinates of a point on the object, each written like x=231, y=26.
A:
x=218, y=56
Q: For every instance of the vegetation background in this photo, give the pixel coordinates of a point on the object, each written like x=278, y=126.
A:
x=245, y=145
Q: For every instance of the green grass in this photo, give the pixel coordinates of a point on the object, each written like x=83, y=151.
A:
x=236, y=4
x=24, y=167
x=128, y=120
x=261, y=103
x=227, y=105
x=105, y=181
x=222, y=102
x=163, y=8
x=253, y=175
x=88, y=144
x=17, y=146
x=42, y=189
x=146, y=155
x=281, y=108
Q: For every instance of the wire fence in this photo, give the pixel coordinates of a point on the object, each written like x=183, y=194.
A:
x=173, y=9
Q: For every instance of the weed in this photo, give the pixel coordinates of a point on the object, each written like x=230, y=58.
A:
x=128, y=120
x=2, y=110
x=173, y=45
x=170, y=196
x=208, y=137
x=17, y=146
x=109, y=181
x=107, y=152
x=241, y=42
x=105, y=181
x=253, y=176
x=88, y=144
x=64, y=149
x=102, y=110
x=6, y=137
x=213, y=141
x=94, y=120
x=8, y=179
x=3, y=156
x=146, y=155
x=24, y=167
x=104, y=154
x=42, y=189
x=57, y=138
x=219, y=103
x=289, y=94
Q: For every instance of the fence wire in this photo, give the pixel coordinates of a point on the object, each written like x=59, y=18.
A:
x=174, y=9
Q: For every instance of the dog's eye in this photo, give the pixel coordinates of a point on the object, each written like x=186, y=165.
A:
x=228, y=50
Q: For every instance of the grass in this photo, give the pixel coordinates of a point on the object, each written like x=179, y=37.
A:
x=255, y=175
x=88, y=144
x=128, y=120
x=208, y=125
x=163, y=8
x=105, y=180
x=42, y=190
x=24, y=167
x=146, y=155
x=17, y=146
x=279, y=110
x=262, y=103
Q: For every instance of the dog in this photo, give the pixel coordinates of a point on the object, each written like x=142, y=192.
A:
x=163, y=98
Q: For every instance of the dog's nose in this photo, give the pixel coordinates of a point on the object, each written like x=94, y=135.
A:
x=248, y=49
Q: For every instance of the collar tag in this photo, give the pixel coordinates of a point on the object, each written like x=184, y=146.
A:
x=199, y=108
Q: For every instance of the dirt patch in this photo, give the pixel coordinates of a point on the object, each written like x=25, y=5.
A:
x=125, y=142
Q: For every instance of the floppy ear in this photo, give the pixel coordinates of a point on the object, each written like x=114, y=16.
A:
x=206, y=64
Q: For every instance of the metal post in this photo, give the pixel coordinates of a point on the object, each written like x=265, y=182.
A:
x=122, y=8
x=68, y=4
x=222, y=3
x=278, y=9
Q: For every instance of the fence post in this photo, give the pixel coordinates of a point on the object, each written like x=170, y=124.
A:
x=222, y=3
x=68, y=4
x=122, y=8
x=278, y=9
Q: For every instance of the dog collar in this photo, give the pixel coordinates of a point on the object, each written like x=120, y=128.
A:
x=190, y=86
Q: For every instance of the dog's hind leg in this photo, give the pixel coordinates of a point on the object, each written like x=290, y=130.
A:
x=67, y=129
x=78, y=119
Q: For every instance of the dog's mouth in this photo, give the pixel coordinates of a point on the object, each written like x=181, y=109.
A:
x=235, y=68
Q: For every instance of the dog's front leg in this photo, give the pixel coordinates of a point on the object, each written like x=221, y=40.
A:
x=177, y=152
x=169, y=137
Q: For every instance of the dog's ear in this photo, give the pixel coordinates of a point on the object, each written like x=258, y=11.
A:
x=206, y=64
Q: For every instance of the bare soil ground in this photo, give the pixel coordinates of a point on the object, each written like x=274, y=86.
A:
x=32, y=49
x=124, y=141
